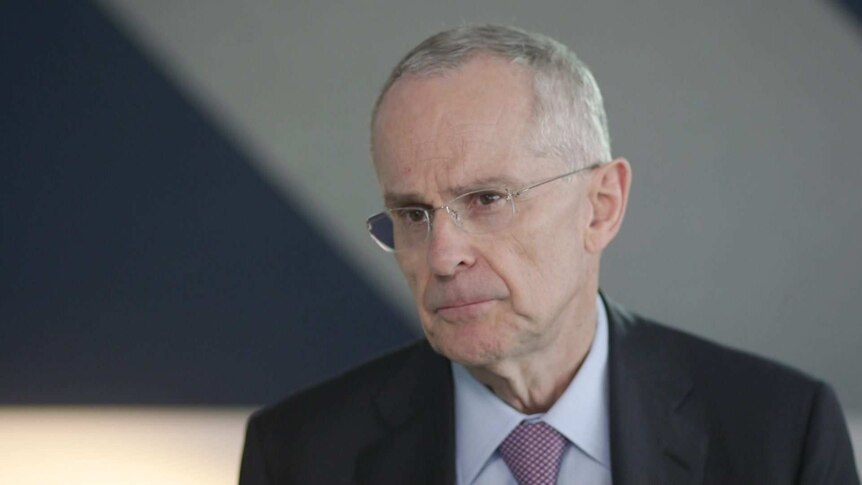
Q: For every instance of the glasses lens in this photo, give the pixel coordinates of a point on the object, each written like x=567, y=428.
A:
x=483, y=211
x=380, y=228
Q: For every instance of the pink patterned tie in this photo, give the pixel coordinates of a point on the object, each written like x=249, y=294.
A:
x=533, y=452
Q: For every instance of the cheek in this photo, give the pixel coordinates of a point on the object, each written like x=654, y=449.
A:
x=522, y=267
x=537, y=257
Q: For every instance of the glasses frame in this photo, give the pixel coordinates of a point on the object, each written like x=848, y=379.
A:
x=453, y=214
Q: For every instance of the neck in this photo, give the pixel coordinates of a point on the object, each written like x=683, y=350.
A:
x=533, y=382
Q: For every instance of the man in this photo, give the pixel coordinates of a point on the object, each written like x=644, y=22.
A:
x=491, y=148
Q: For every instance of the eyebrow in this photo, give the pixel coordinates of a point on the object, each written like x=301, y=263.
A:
x=496, y=181
x=394, y=199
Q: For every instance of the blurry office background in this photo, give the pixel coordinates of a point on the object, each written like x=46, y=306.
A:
x=184, y=187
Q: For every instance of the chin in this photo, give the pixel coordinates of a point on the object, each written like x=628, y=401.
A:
x=472, y=344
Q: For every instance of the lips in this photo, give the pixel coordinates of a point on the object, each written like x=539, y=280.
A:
x=467, y=296
x=464, y=303
x=438, y=304
x=464, y=310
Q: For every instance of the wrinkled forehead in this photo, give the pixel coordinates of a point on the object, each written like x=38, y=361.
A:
x=466, y=123
x=477, y=91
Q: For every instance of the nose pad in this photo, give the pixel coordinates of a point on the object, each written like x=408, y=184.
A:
x=455, y=216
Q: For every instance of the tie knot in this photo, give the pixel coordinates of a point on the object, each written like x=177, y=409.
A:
x=533, y=452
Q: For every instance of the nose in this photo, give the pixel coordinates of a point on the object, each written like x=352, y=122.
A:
x=449, y=248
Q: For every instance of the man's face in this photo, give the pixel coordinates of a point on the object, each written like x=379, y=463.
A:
x=504, y=295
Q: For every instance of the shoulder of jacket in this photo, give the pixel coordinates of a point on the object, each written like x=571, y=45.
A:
x=352, y=388
x=706, y=360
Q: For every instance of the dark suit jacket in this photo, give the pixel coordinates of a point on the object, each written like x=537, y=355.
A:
x=682, y=410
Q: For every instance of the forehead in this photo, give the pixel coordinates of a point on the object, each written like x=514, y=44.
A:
x=440, y=132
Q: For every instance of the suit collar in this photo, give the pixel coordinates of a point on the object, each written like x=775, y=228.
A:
x=656, y=433
x=416, y=409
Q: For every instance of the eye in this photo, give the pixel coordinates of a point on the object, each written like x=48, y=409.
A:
x=489, y=198
x=410, y=216
x=486, y=200
x=415, y=215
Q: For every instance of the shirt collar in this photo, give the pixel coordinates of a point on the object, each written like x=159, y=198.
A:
x=482, y=420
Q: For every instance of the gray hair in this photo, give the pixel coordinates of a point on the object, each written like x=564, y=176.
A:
x=567, y=105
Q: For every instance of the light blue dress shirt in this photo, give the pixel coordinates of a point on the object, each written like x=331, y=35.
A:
x=482, y=422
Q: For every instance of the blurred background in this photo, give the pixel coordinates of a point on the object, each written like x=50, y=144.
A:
x=184, y=187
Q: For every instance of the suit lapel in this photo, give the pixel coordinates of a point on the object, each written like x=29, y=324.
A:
x=656, y=435
x=416, y=410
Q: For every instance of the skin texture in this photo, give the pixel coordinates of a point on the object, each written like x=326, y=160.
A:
x=516, y=307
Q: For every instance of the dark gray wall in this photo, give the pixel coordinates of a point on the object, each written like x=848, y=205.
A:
x=142, y=258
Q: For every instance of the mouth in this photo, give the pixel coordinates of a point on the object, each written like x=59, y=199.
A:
x=464, y=311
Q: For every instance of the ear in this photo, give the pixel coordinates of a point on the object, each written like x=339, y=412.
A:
x=608, y=195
